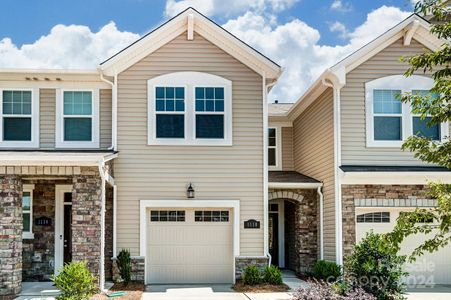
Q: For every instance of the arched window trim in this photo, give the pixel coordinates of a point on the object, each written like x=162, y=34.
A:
x=189, y=81
x=404, y=84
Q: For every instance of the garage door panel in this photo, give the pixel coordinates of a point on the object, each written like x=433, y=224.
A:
x=190, y=251
x=430, y=268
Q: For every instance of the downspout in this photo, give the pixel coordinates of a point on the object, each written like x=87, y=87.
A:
x=321, y=222
x=337, y=162
x=113, y=85
x=265, y=166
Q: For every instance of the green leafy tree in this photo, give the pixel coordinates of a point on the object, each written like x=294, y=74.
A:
x=436, y=105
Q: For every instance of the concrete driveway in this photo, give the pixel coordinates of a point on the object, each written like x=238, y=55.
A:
x=438, y=292
x=210, y=292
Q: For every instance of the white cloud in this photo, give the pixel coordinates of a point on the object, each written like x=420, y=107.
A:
x=341, y=6
x=340, y=28
x=71, y=46
x=227, y=8
x=295, y=46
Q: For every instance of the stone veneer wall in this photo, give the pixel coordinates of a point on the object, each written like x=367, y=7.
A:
x=10, y=236
x=43, y=243
x=109, y=234
x=242, y=262
x=301, y=227
x=138, y=270
x=351, y=193
x=86, y=204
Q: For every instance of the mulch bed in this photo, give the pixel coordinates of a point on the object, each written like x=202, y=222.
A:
x=133, y=291
x=260, y=288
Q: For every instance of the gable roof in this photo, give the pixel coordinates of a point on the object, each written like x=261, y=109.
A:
x=190, y=20
x=413, y=26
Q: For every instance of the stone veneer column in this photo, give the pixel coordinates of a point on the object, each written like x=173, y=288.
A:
x=348, y=194
x=10, y=236
x=86, y=204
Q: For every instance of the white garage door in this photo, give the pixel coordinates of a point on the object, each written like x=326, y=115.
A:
x=189, y=246
x=431, y=268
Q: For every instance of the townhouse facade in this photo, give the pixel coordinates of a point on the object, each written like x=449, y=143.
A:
x=169, y=149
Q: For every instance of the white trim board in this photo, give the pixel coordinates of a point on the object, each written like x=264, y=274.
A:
x=145, y=204
x=389, y=178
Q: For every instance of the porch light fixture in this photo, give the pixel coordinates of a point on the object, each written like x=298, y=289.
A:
x=190, y=191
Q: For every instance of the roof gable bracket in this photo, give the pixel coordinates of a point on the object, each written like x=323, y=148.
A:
x=190, y=29
x=410, y=32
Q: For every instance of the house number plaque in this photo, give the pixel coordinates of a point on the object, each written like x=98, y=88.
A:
x=43, y=221
x=252, y=224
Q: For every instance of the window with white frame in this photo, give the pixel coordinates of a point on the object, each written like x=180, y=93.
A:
x=78, y=119
x=189, y=108
x=19, y=123
x=27, y=211
x=389, y=122
x=274, y=148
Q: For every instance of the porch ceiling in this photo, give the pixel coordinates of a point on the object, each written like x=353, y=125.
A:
x=55, y=158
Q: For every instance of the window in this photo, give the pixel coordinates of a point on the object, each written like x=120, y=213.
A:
x=19, y=122
x=78, y=119
x=189, y=108
x=374, y=217
x=389, y=122
x=167, y=216
x=209, y=112
x=170, y=112
x=211, y=216
x=27, y=211
x=421, y=126
x=274, y=151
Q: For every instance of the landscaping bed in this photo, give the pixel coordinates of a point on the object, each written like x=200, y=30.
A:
x=133, y=291
x=260, y=288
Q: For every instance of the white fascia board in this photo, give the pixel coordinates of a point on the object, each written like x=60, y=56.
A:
x=388, y=178
x=294, y=185
x=12, y=158
x=205, y=27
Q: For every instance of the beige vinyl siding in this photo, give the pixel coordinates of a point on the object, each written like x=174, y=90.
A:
x=314, y=156
x=145, y=172
x=105, y=118
x=353, y=133
x=287, y=149
x=47, y=102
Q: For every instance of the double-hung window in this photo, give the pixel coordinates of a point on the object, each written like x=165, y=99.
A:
x=274, y=151
x=19, y=125
x=389, y=122
x=189, y=108
x=27, y=211
x=78, y=119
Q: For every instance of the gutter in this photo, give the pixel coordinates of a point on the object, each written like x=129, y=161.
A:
x=294, y=185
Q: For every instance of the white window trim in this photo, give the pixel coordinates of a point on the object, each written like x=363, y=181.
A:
x=34, y=143
x=278, y=148
x=59, y=131
x=405, y=84
x=189, y=80
x=29, y=234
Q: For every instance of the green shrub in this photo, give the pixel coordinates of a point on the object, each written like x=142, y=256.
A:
x=376, y=267
x=272, y=275
x=124, y=264
x=75, y=282
x=252, y=275
x=326, y=270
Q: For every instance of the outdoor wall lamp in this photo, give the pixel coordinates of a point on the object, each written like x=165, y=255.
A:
x=190, y=191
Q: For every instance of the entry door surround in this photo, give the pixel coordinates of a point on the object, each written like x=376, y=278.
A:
x=60, y=190
x=146, y=204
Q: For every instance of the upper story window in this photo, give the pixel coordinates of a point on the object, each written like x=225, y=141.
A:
x=77, y=119
x=389, y=121
x=274, y=151
x=189, y=108
x=19, y=125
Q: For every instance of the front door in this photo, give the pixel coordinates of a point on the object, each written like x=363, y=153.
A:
x=273, y=236
x=63, y=226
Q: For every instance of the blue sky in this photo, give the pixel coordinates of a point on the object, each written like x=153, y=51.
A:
x=303, y=36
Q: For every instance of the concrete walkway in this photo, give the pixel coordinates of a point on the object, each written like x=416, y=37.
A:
x=438, y=292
